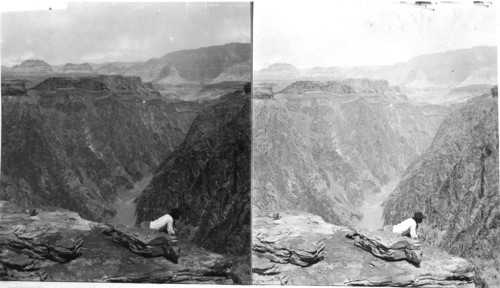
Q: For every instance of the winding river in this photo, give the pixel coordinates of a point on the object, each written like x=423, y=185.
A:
x=372, y=207
x=125, y=206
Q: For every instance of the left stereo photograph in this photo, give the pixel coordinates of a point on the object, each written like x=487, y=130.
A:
x=126, y=143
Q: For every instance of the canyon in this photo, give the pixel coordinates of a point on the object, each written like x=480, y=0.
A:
x=346, y=145
x=85, y=140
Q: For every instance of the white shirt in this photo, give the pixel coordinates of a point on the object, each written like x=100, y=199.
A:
x=408, y=224
x=161, y=222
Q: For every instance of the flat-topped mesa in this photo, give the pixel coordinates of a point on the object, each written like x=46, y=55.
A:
x=76, y=68
x=301, y=87
x=365, y=85
x=280, y=70
x=33, y=66
x=239, y=72
x=99, y=83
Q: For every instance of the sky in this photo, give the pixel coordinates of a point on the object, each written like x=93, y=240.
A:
x=107, y=32
x=356, y=33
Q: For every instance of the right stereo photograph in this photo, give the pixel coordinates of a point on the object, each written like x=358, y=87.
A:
x=375, y=144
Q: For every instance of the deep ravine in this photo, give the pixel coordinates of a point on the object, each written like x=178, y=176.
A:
x=372, y=208
x=124, y=203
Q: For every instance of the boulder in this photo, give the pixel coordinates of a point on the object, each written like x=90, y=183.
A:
x=388, y=246
x=145, y=242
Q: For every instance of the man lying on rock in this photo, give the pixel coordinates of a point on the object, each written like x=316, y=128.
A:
x=165, y=223
x=409, y=226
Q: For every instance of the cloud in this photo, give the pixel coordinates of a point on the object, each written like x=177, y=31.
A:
x=94, y=32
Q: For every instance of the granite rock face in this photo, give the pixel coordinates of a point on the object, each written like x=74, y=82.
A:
x=75, y=142
x=455, y=183
x=342, y=261
x=208, y=178
x=318, y=150
x=49, y=243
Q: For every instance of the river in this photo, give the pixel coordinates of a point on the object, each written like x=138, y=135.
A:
x=372, y=207
x=125, y=206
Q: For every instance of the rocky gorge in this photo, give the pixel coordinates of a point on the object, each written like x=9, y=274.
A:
x=90, y=139
x=208, y=178
x=323, y=150
x=76, y=142
x=318, y=145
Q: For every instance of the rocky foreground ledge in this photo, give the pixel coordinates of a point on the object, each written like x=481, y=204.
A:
x=298, y=248
x=53, y=244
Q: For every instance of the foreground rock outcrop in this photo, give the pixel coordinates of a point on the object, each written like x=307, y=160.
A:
x=208, y=178
x=145, y=242
x=388, y=246
x=455, y=183
x=339, y=261
x=48, y=243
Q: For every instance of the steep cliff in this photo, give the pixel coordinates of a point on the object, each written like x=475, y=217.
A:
x=196, y=65
x=208, y=178
x=324, y=153
x=453, y=68
x=76, y=142
x=240, y=72
x=455, y=183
